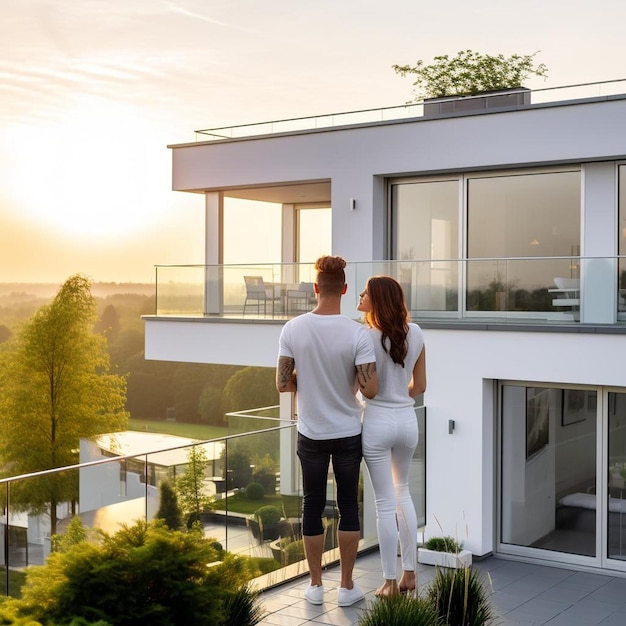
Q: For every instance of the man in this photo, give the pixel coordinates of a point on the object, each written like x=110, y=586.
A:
x=327, y=358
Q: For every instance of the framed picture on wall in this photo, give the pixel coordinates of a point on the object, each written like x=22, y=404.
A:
x=575, y=406
x=537, y=420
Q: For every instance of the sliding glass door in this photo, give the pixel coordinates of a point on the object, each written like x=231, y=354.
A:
x=563, y=474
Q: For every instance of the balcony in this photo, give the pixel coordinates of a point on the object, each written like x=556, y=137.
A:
x=543, y=291
x=115, y=488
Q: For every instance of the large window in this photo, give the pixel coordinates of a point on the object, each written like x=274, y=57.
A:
x=425, y=223
x=516, y=223
x=622, y=238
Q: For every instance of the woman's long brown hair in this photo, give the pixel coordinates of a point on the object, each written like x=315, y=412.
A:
x=389, y=314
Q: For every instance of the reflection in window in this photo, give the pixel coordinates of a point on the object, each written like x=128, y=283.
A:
x=518, y=217
x=425, y=217
x=548, y=469
x=622, y=238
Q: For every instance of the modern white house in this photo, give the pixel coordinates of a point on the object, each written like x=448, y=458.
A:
x=505, y=225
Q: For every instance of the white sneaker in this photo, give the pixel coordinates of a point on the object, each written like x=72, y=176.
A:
x=348, y=597
x=314, y=594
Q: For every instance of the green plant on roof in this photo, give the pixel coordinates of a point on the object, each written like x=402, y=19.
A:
x=470, y=73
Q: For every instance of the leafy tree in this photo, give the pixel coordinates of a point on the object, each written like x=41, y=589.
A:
x=169, y=509
x=250, y=388
x=55, y=387
x=5, y=333
x=470, y=73
x=190, y=486
x=109, y=322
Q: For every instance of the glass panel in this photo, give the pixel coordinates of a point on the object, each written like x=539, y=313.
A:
x=425, y=220
x=314, y=233
x=531, y=215
x=549, y=469
x=622, y=238
x=616, y=515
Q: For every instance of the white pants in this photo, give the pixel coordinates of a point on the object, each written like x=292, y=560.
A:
x=389, y=440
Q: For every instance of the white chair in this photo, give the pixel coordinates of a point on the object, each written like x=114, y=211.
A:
x=257, y=290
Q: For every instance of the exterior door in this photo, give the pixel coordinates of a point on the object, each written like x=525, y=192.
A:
x=563, y=474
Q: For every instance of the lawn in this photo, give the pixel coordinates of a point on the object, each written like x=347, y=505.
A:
x=291, y=505
x=181, y=429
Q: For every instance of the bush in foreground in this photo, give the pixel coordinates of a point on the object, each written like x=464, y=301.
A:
x=143, y=574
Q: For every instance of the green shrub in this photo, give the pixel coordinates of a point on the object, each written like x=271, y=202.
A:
x=268, y=514
x=294, y=552
x=255, y=491
x=266, y=475
x=459, y=597
x=401, y=610
x=444, y=544
x=143, y=574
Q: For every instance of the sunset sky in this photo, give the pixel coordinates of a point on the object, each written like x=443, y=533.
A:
x=93, y=91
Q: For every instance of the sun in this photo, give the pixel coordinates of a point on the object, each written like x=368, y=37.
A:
x=101, y=170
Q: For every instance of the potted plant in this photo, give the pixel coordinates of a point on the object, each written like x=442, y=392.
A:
x=267, y=518
x=444, y=552
x=468, y=74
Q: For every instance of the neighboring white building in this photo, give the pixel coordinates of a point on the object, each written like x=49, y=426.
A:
x=505, y=227
x=127, y=489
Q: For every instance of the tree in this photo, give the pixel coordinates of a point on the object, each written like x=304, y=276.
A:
x=56, y=388
x=470, y=73
x=190, y=486
x=169, y=509
x=250, y=388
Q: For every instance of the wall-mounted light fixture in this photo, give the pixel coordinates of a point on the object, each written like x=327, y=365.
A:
x=352, y=204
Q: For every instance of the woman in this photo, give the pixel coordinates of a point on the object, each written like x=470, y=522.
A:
x=390, y=426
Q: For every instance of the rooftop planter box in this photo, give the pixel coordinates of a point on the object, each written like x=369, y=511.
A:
x=504, y=98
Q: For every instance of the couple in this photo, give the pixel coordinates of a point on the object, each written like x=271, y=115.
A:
x=327, y=358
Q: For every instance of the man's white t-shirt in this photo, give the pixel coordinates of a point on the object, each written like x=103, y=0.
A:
x=326, y=350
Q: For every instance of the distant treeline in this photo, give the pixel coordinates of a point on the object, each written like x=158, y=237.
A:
x=189, y=392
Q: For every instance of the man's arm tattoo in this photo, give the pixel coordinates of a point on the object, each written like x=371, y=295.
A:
x=286, y=379
x=364, y=373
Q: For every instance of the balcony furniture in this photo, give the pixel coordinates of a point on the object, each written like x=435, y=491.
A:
x=257, y=290
x=567, y=292
x=301, y=299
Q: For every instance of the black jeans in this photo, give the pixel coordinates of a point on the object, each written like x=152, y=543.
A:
x=315, y=456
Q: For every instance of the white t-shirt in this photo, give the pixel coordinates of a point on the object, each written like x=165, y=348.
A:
x=393, y=379
x=326, y=350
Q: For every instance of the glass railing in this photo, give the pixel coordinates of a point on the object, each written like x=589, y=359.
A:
x=530, y=289
x=404, y=111
x=110, y=488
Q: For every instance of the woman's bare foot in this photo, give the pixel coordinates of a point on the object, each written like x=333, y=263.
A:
x=387, y=589
x=407, y=582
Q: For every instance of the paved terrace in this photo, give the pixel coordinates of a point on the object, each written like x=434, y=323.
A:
x=523, y=594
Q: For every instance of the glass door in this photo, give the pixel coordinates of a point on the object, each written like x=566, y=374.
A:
x=563, y=474
x=616, y=471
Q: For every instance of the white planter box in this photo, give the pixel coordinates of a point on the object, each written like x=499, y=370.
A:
x=444, y=559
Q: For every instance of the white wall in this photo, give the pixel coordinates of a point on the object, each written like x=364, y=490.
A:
x=460, y=487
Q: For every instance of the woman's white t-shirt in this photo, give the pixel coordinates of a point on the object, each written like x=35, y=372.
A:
x=393, y=379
